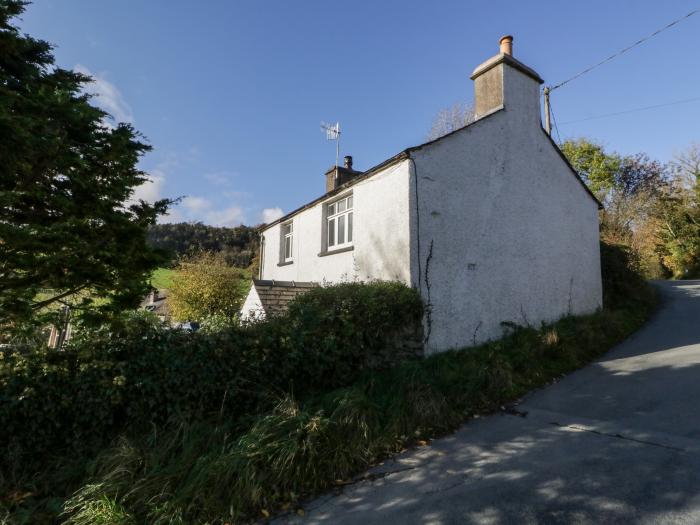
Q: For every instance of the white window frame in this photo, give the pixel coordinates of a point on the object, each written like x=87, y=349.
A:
x=340, y=212
x=287, y=234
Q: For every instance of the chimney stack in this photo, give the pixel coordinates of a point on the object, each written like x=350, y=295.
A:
x=502, y=82
x=506, y=44
x=339, y=175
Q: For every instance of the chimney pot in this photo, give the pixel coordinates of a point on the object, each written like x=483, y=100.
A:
x=347, y=161
x=506, y=44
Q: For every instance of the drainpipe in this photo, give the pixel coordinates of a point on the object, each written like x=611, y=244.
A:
x=261, y=255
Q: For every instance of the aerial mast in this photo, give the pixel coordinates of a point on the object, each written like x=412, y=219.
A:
x=333, y=133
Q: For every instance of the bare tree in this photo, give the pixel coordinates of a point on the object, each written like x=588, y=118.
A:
x=450, y=119
x=687, y=167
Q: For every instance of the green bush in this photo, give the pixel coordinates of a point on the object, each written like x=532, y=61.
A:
x=216, y=474
x=231, y=426
x=622, y=276
x=78, y=399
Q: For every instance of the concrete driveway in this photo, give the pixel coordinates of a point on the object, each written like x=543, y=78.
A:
x=616, y=442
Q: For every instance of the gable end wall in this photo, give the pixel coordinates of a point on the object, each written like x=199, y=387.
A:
x=514, y=235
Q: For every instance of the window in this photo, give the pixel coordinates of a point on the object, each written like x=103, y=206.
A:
x=339, y=222
x=287, y=242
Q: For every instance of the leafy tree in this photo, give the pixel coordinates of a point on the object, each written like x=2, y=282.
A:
x=238, y=245
x=630, y=188
x=678, y=217
x=67, y=226
x=596, y=167
x=204, y=286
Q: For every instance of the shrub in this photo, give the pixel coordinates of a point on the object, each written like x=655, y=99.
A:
x=251, y=450
x=205, y=285
x=78, y=399
x=622, y=276
x=214, y=474
x=351, y=327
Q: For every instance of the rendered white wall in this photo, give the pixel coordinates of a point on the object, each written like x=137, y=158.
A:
x=381, y=236
x=514, y=235
x=252, y=308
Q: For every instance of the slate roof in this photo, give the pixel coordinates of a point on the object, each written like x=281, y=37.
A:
x=275, y=295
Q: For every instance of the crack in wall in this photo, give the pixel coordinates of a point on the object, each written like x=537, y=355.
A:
x=429, y=303
x=476, y=331
x=571, y=294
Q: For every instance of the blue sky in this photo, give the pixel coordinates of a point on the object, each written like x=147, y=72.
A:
x=230, y=94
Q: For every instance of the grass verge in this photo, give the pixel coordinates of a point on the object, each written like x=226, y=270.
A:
x=210, y=472
x=162, y=278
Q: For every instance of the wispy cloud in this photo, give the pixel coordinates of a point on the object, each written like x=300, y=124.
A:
x=217, y=203
x=106, y=95
x=152, y=189
x=196, y=204
x=219, y=178
x=232, y=216
x=271, y=214
x=237, y=195
x=199, y=209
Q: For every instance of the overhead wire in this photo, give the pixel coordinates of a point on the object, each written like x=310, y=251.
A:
x=633, y=110
x=622, y=51
x=608, y=59
x=556, y=128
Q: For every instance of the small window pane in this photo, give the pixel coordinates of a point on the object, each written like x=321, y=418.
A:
x=331, y=232
x=288, y=248
x=341, y=205
x=331, y=209
x=350, y=226
x=350, y=202
x=341, y=229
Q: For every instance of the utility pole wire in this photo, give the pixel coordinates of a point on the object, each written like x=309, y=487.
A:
x=556, y=128
x=625, y=49
x=633, y=110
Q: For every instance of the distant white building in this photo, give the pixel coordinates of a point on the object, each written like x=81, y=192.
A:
x=490, y=223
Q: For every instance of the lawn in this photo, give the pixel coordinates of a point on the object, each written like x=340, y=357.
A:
x=162, y=277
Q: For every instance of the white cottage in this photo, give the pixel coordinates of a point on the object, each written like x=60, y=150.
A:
x=490, y=223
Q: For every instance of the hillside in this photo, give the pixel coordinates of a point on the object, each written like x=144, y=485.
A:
x=239, y=245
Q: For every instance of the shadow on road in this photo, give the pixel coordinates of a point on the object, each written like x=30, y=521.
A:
x=616, y=442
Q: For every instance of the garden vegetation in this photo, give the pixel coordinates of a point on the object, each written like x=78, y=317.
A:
x=134, y=423
x=156, y=426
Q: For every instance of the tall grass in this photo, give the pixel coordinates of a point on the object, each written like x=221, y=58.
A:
x=209, y=472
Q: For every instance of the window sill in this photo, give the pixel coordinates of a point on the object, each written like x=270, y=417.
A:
x=339, y=250
x=285, y=263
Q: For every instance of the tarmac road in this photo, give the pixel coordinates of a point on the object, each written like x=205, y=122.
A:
x=615, y=442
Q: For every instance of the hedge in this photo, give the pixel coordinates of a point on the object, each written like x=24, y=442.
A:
x=78, y=399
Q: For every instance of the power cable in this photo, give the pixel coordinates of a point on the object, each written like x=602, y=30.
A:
x=668, y=26
x=556, y=128
x=645, y=108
